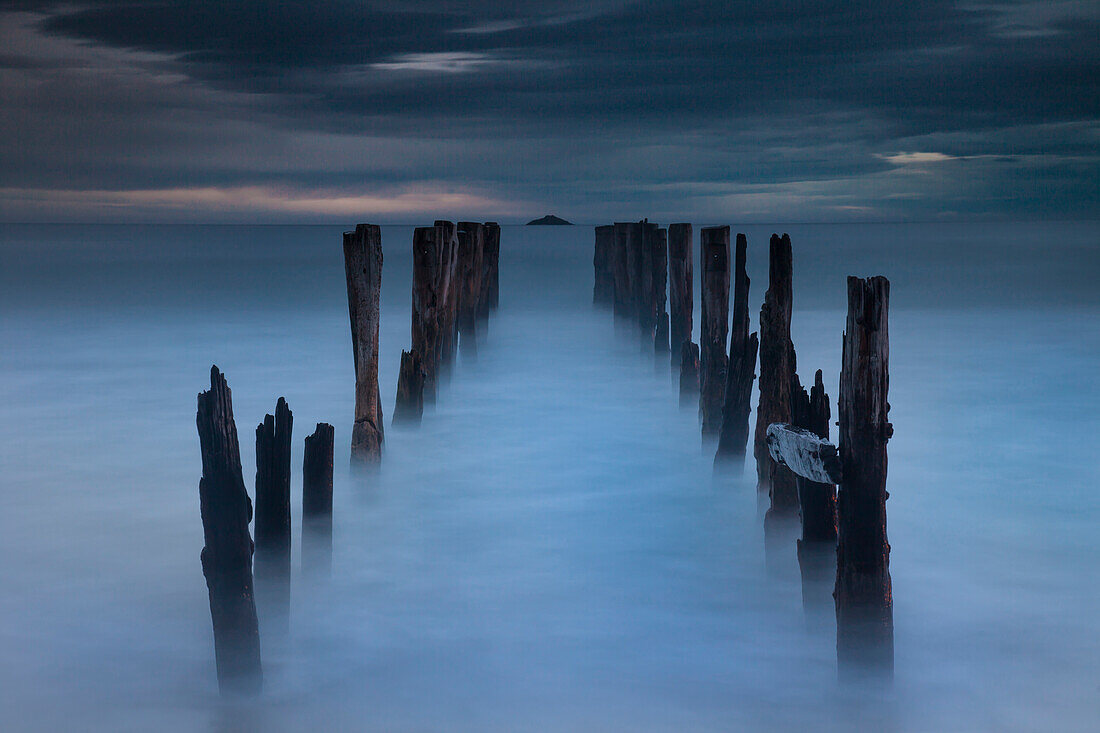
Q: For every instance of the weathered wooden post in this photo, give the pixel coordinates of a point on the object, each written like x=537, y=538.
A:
x=317, y=501
x=603, y=287
x=689, y=373
x=227, y=554
x=471, y=258
x=777, y=365
x=660, y=285
x=817, y=547
x=680, y=289
x=864, y=602
x=426, y=304
x=714, y=251
x=492, y=268
x=408, y=409
x=741, y=371
x=449, y=289
x=273, y=438
x=643, y=278
x=363, y=266
x=621, y=266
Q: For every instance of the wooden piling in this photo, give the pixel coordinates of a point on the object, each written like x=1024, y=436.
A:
x=426, y=303
x=714, y=252
x=471, y=256
x=660, y=288
x=689, y=373
x=363, y=266
x=317, y=501
x=864, y=602
x=227, y=554
x=741, y=371
x=777, y=365
x=273, y=438
x=492, y=269
x=680, y=288
x=603, y=287
x=408, y=409
x=643, y=278
x=621, y=265
x=449, y=291
x=817, y=500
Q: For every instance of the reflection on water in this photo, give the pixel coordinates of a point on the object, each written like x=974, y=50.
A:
x=551, y=550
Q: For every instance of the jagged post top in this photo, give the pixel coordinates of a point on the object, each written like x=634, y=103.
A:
x=215, y=408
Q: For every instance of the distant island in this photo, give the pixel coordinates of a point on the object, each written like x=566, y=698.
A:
x=549, y=219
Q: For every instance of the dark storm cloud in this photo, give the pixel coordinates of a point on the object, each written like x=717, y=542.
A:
x=737, y=106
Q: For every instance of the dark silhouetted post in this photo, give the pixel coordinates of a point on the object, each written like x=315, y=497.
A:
x=714, y=252
x=689, y=373
x=621, y=267
x=317, y=501
x=426, y=304
x=471, y=257
x=741, y=371
x=227, y=554
x=643, y=276
x=660, y=287
x=864, y=604
x=777, y=365
x=603, y=288
x=409, y=406
x=273, y=437
x=449, y=289
x=492, y=268
x=363, y=266
x=817, y=547
x=680, y=288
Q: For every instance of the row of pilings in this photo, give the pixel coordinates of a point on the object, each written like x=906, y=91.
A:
x=842, y=548
x=455, y=287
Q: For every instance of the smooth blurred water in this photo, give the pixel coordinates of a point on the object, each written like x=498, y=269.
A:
x=551, y=551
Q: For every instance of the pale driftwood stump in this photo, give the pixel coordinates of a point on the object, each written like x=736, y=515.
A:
x=741, y=370
x=273, y=438
x=317, y=501
x=681, y=293
x=227, y=554
x=363, y=266
x=864, y=602
x=714, y=252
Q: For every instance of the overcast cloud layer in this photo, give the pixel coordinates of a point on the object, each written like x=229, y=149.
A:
x=725, y=111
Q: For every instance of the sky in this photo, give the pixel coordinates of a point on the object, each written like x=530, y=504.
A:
x=398, y=112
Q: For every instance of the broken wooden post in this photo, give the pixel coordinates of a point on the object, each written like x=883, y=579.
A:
x=864, y=603
x=817, y=499
x=317, y=501
x=492, y=268
x=714, y=252
x=681, y=293
x=660, y=286
x=777, y=365
x=227, y=553
x=273, y=514
x=363, y=266
x=471, y=257
x=449, y=290
x=408, y=409
x=603, y=286
x=689, y=373
x=741, y=370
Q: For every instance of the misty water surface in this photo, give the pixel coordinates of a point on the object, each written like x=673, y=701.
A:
x=551, y=551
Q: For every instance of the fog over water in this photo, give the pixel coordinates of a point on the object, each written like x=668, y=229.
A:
x=551, y=550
